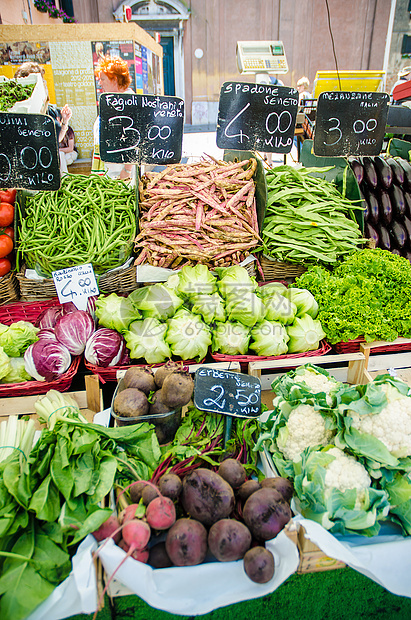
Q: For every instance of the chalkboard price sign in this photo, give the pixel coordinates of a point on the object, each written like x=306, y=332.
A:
x=141, y=128
x=350, y=123
x=29, y=156
x=256, y=117
x=230, y=393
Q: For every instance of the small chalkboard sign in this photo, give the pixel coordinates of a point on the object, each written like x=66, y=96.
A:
x=256, y=117
x=350, y=123
x=138, y=129
x=230, y=393
x=29, y=157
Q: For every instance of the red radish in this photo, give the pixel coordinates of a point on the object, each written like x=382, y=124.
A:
x=128, y=513
x=161, y=513
x=140, y=556
x=136, y=534
x=109, y=529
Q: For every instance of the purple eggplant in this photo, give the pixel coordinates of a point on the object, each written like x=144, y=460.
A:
x=370, y=174
x=385, y=207
x=406, y=166
x=398, y=234
x=385, y=239
x=407, y=198
x=397, y=171
x=372, y=202
x=397, y=201
x=357, y=168
x=371, y=233
x=384, y=172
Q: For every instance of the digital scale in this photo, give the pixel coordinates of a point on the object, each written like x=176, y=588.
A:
x=261, y=57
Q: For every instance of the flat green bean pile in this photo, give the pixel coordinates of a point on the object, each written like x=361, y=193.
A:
x=90, y=219
x=307, y=220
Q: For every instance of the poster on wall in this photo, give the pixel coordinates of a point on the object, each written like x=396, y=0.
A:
x=74, y=84
x=144, y=52
x=12, y=55
x=139, y=68
x=121, y=49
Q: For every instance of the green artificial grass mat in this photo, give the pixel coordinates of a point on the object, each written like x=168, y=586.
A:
x=342, y=594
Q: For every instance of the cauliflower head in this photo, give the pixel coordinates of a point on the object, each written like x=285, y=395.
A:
x=305, y=428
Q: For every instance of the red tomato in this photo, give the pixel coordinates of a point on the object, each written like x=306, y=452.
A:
x=6, y=245
x=6, y=214
x=5, y=266
x=9, y=231
x=8, y=195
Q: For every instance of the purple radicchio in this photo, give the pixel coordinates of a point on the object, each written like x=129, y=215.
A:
x=105, y=347
x=46, y=360
x=74, y=329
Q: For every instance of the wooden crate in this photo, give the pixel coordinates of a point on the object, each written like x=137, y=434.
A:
x=90, y=402
x=312, y=559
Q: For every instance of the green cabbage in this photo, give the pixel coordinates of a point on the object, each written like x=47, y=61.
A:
x=279, y=308
x=156, y=300
x=196, y=280
x=146, y=339
x=115, y=312
x=344, y=504
x=17, y=337
x=188, y=336
x=210, y=307
x=4, y=363
x=231, y=338
x=235, y=280
x=17, y=372
x=304, y=300
x=245, y=307
x=269, y=338
x=305, y=334
x=272, y=287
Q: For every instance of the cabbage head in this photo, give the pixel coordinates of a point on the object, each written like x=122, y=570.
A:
x=17, y=372
x=305, y=334
x=231, y=338
x=245, y=307
x=269, y=338
x=115, y=312
x=146, y=339
x=196, y=280
x=188, y=336
x=156, y=301
x=17, y=337
x=272, y=287
x=4, y=363
x=279, y=308
x=210, y=307
x=304, y=300
x=235, y=280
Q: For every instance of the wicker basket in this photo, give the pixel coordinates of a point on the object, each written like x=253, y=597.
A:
x=9, y=288
x=121, y=280
x=25, y=311
x=276, y=270
x=245, y=359
x=353, y=346
x=28, y=388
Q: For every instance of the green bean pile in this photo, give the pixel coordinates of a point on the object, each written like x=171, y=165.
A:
x=307, y=220
x=90, y=219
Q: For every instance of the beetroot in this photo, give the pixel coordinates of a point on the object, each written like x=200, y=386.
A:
x=170, y=485
x=206, y=496
x=158, y=556
x=228, y=540
x=247, y=488
x=186, y=542
x=259, y=564
x=283, y=485
x=233, y=472
x=265, y=513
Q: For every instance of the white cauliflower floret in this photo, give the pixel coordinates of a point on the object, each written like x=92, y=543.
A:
x=392, y=426
x=305, y=428
x=317, y=382
x=345, y=472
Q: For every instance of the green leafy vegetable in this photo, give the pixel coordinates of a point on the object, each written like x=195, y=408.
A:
x=196, y=280
x=146, y=339
x=17, y=337
x=157, y=301
x=305, y=334
x=188, y=336
x=115, y=312
x=231, y=338
x=17, y=372
x=210, y=307
x=269, y=338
